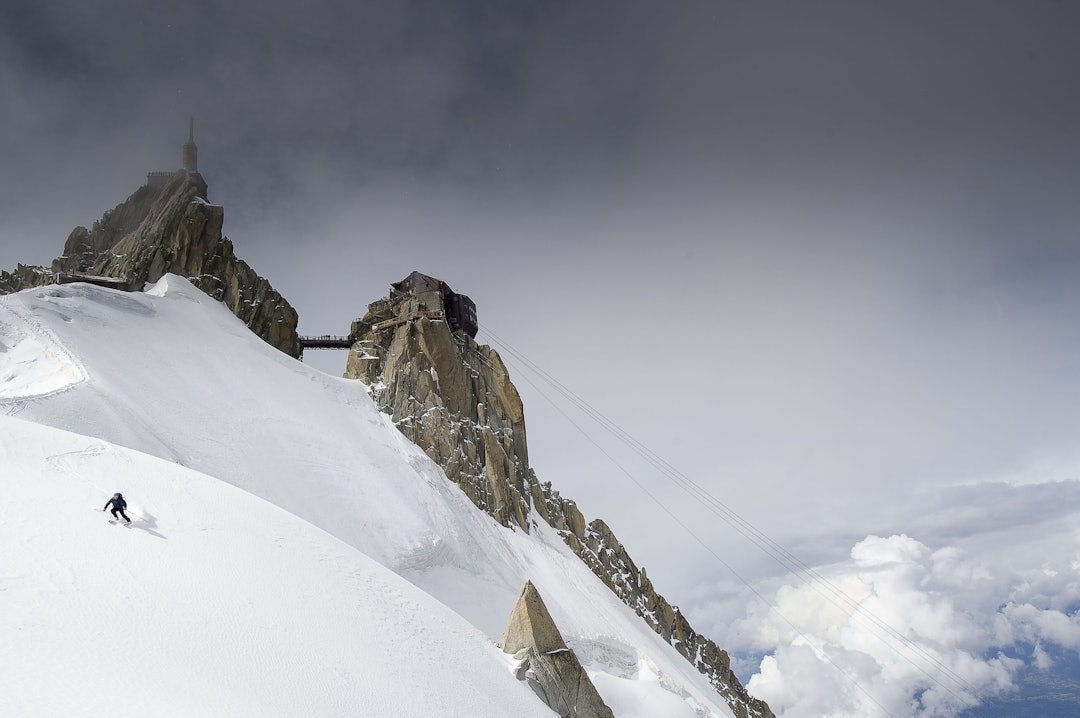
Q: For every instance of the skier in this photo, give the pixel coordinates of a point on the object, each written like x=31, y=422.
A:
x=118, y=505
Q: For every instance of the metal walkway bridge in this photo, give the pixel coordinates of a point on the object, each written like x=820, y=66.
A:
x=325, y=341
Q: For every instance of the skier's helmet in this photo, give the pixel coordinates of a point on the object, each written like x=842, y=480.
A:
x=116, y=495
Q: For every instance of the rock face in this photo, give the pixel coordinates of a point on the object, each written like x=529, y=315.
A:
x=168, y=226
x=449, y=395
x=454, y=399
x=24, y=276
x=552, y=670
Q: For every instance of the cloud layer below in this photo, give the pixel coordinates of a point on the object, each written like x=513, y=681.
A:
x=904, y=628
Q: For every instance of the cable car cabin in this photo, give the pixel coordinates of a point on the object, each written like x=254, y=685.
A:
x=460, y=311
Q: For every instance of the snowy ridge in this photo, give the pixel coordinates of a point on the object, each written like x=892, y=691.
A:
x=172, y=374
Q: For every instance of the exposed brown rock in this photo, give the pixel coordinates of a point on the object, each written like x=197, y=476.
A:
x=24, y=277
x=452, y=397
x=552, y=669
x=170, y=227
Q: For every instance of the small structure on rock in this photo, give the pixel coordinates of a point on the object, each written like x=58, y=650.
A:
x=431, y=298
x=551, y=669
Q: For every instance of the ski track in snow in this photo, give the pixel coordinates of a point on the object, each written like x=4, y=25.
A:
x=36, y=364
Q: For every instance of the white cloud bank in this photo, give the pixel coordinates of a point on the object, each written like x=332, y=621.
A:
x=918, y=631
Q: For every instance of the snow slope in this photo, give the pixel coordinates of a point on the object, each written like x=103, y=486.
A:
x=171, y=373
x=213, y=602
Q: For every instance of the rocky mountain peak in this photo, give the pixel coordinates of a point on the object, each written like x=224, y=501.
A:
x=531, y=625
x=453, y=397
x=168, y=225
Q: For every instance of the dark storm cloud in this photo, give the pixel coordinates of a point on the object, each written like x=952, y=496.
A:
x=822, y=78
x=302, y=97
x=412, y=85
x=892, y=98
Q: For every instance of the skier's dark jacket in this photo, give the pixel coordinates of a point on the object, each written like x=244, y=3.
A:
x=117, y=501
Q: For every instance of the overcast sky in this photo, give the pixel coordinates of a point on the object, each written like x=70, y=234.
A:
x=822, y=257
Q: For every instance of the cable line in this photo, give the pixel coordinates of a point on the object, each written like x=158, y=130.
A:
x=818, y=649
x=778, y=553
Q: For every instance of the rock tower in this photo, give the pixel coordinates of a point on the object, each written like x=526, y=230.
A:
x=546, y=663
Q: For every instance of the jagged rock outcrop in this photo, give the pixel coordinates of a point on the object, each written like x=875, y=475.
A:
x=24, y=276
x=169, y=226
x=598, y=547
x=454, y=399
x=551, y=669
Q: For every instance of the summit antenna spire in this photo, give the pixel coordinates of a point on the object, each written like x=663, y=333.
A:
x=190, y=155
